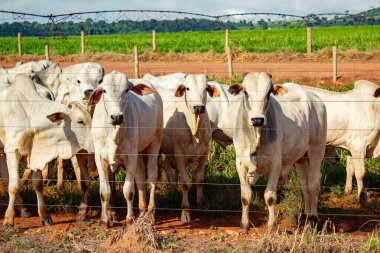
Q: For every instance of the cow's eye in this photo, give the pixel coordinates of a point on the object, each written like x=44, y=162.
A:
x=78, y=81
x=246, y=93
x=104, y=91
x=81, y=122
x=100, y=81
x=187, y=88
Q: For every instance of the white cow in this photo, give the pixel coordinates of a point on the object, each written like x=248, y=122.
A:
x=87, y=76
x=29, y=68
x=73, y=83
x=41, y=130
x=273, y=133
x=353, y=120
x=187, y=131
x=126, y=127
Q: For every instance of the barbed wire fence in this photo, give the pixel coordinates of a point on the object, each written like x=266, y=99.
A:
x=54, y=21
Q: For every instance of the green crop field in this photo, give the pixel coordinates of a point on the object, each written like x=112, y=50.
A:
x=362, y=38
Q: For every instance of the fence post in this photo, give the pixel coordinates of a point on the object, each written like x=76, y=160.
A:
x=154, y=40
x=335, y=66
x=82, y=42
x=309, y=40
x=227, y=41
x=47, y=53
x=229, y=62
x=19, y=44
x=135, y=53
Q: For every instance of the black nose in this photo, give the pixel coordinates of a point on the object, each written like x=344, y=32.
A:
x=88, y=93
x=199, y=108
x=117, y=119
x=259, y=121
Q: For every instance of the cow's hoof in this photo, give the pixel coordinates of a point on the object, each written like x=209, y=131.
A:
x=186, y=218
x=47, y=221
x=128, y=220
x=272, y=227
x=104, y=224
x=112, y=215
x=80, y=218
x=8, y=223
x=347, y=191
x=24, y=213
x=243, y=231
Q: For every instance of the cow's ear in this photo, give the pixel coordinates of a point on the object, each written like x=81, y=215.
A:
x=94, y=99
x=142, y=89
x=235, y=89
x=180, y=90
x=56, y=117
x=376, y=94
x=279, y=90
x=270, y=75
x=245, y=73
x=212, y=91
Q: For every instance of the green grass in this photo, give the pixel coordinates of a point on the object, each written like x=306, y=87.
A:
x=362, y=38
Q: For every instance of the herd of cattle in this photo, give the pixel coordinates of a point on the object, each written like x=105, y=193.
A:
x=107, y=120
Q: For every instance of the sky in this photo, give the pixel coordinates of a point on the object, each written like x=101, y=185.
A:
x=211, y=7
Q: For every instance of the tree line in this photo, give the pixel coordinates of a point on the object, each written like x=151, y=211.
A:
x=92, y=27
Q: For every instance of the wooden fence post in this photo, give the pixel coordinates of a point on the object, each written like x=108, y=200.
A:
x=136, y=56
x=335, y=65
x=229, y=62
x=19, y=44
x=309, y=40
x=227, y=41
x=47, y=57
x=154, y=40
x=82, y=42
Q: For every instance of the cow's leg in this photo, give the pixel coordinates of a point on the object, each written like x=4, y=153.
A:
x=314, y=175
x=184, y=182
x=85, y=186
x=59, y=173
x=141, y=185
x=270, y=194
x=45, y=173
x=153, y=173
x=170, y=172
x=13, y=187
x=198, y=176
x=26, y=175
x=302, y=166
x=359, y=169
x=129, y=184
x=246, y=192
x=111, y=211
x=104, y=188
x=350, y=174
x=78, y=168
x=19, y=203
x=38, y=186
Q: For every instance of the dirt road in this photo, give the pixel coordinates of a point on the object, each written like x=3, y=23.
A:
x=318, y=73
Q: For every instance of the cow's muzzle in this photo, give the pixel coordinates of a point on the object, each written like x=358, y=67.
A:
x=199, y=109
x=117, y=119
x=87, y=93
x=258, y=121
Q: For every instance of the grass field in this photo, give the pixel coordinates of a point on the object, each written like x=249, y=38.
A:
x=362, y=38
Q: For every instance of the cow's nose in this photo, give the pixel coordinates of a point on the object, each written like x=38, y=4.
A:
x=88, y=93
x=199, y=108
x=117, y=119
x=259, y=121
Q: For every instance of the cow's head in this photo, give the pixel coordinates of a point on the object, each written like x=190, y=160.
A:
x=87, y=79
x=257, y=88
x=194, y=90
x=113, y=92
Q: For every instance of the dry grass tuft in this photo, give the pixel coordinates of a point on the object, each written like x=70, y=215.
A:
x=137, y=237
